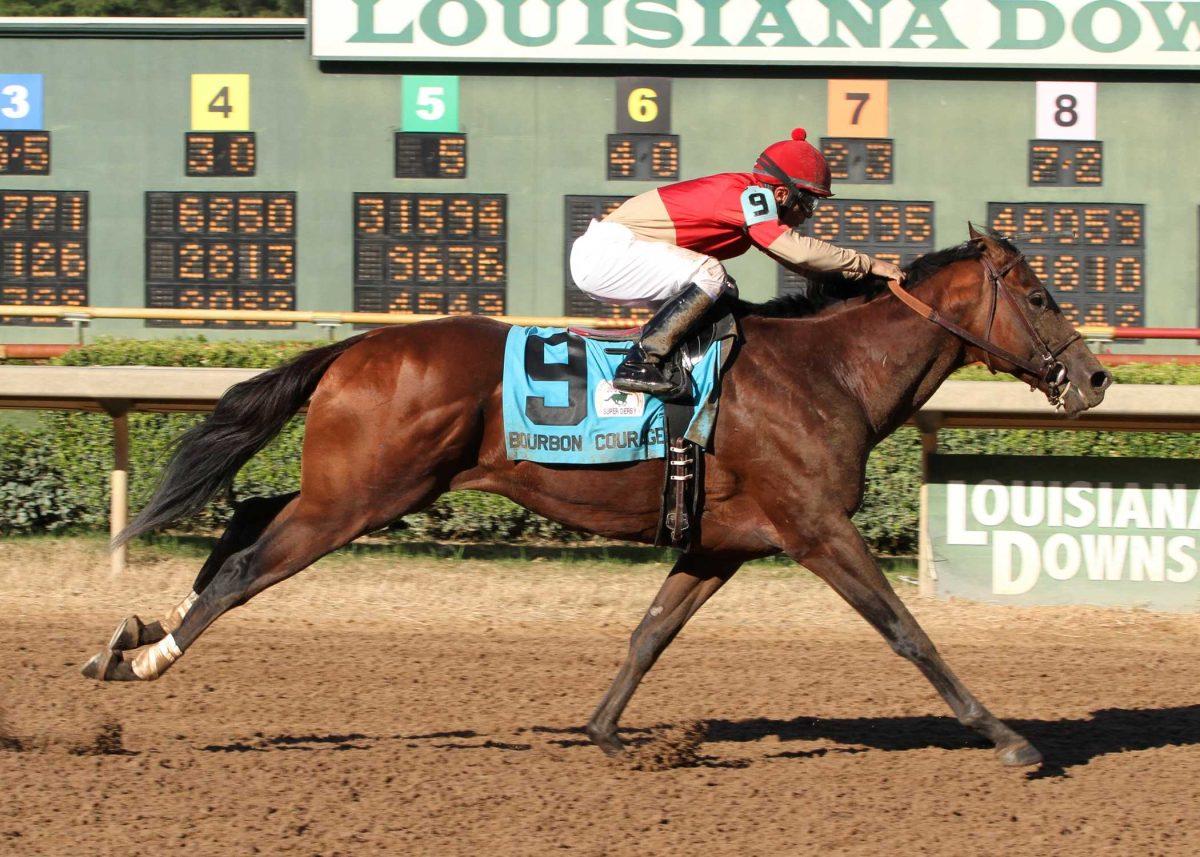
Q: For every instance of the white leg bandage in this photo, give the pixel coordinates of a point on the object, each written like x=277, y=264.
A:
x=175, y=618
x=155, y=660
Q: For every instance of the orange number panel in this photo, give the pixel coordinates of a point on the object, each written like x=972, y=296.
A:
x=1090, y=255
x=430, y=155
x=43, y=250
x=896, y=230
x=220, y=153
x=643, y=157
x=430, y=253
x=221, y=250
x=579, y=212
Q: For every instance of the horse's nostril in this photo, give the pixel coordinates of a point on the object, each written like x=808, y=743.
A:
x=1100, y=380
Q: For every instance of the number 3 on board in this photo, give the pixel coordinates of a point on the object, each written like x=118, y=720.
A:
x=21, y=102
x=220, y=102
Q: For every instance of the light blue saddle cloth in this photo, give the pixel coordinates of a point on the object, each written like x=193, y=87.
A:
x=560, y=406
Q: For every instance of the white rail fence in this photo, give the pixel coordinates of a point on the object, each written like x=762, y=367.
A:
x=121, y=390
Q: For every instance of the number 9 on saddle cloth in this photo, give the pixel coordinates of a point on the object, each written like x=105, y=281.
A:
x=560, y=407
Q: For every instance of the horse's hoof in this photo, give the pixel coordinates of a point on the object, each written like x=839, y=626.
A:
x=1020, y=755
x=606, y=741
x=128, y=635
x=102, y=665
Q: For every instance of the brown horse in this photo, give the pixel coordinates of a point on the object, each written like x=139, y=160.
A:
x=399, y=416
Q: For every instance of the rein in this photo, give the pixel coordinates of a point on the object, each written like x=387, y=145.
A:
x=1048, y=370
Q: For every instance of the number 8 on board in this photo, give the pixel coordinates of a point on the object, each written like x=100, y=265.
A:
x=1066, y=110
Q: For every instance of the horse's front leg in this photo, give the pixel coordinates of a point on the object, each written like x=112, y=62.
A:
x=691, y=582
x=843, y=560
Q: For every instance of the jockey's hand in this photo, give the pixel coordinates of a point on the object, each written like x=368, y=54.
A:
x=887, y=270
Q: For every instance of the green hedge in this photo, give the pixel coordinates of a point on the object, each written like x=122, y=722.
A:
x=55, y=478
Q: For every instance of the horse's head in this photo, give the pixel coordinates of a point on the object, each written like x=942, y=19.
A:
x=1031, y=338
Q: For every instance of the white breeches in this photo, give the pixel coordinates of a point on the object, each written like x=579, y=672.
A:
x=613, y=265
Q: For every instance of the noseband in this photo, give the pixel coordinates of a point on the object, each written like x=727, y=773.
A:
x=1048, y=371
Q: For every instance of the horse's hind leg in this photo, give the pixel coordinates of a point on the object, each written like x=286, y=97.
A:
x=309, y=526
x=299, y=536
x=692, y=581
x=844, y=562
x=250, y=518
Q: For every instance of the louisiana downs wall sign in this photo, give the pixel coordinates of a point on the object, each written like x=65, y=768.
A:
x=1066, y=33
x=1046, y=530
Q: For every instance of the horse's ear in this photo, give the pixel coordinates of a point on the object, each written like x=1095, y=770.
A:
x=989, y=241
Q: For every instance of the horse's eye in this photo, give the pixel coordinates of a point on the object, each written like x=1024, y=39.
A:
x=1038, y=299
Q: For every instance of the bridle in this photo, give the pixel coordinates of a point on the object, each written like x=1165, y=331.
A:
x=1047, y=371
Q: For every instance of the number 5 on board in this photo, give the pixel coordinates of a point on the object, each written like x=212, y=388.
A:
x=220, y=102
x=429, y=103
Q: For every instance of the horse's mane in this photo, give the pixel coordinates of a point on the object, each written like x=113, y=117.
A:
x=831, y=292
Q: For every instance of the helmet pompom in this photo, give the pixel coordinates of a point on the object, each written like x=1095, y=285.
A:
x=796, y=160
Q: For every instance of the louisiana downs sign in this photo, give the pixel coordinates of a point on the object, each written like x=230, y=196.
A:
x=1050, y=530
x=1063, y=33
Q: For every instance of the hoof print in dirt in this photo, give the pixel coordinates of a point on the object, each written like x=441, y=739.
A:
x=108, y=741
x=668, y=747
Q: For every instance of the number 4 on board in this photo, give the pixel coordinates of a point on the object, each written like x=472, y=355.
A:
x=220, y=102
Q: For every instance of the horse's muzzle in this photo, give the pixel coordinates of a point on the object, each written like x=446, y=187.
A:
x=1077, y=381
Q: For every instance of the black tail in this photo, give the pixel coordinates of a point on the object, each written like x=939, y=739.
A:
x=208, y=456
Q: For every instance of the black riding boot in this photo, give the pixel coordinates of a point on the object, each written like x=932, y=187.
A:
x=642, y=369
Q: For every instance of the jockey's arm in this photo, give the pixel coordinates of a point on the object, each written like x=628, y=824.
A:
x=803, y=253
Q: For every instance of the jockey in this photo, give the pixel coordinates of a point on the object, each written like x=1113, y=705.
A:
x=663, y=248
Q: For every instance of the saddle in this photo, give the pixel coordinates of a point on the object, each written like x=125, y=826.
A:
x=719, y=324
x=683, y=487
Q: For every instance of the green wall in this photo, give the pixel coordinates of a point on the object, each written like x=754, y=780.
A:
x=118, y=108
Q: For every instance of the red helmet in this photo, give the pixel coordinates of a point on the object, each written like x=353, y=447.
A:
x=796, y=164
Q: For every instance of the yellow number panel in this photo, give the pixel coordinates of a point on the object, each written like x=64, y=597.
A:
x=220, y=102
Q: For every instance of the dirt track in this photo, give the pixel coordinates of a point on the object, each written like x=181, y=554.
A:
x=388, y=706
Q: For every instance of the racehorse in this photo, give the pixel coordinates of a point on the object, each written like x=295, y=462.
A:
x=398, y=417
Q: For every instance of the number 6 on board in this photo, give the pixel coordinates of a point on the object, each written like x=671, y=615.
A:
x=643, y=105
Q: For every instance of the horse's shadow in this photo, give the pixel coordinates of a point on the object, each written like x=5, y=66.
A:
x=1065, y=743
